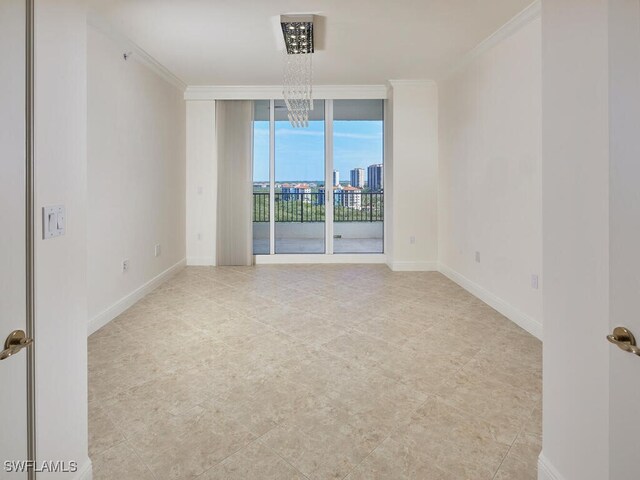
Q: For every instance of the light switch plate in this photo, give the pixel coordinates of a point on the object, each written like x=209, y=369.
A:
x=53, y=221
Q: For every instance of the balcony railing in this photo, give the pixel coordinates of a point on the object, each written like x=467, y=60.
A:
x=309, y=207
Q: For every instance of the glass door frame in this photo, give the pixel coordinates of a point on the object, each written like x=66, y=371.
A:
x=328, y=177
x=328, y=184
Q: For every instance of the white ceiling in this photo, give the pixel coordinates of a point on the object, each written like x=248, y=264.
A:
x=359, y=42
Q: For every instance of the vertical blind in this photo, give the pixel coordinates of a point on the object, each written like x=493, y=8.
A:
x=234, y=228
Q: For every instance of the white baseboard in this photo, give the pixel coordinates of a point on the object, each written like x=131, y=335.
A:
x=320, y=258
x=512, y=313
x=85, y=472
x=414, y=266
x=104, y=317
x=201, y=261
x=546, y=471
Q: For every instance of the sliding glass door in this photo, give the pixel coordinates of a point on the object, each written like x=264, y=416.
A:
x=299, y=182
x=358, y=199
x=318, y=190
x=261, y=178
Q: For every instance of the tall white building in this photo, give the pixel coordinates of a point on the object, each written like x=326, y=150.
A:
x=350, y=197
x=336, y=178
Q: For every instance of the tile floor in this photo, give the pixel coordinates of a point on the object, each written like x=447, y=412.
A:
x=313, y=372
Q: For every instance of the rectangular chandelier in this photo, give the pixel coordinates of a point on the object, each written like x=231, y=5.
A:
x=297, y=89
x=298, y=33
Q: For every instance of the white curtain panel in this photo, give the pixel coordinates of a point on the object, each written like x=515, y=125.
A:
x=234, y=143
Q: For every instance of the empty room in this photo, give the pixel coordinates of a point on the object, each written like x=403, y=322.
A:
x=272, y=240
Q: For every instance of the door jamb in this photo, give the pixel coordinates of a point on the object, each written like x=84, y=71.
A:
x=30, y=232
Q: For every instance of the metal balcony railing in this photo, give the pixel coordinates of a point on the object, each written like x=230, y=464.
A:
x=309, y=207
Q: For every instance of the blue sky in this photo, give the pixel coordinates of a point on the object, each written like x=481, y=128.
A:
x=300, y=151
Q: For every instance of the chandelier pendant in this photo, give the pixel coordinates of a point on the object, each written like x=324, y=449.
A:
x=297, y=87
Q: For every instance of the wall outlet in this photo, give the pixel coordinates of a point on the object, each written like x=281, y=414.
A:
x=156, y=251
x=412, y=240
x=125, y=265
x=534, y=281
x=199, y=236
x=478, y=257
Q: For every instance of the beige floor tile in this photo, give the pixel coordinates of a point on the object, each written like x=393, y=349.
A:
x=514, y=468
x=393, y=461
x=103, y=434
x=504, y=406
x=534, y=423
x=426, y=382
x=119, y=462
x=262, y=404
x=527, y=447
x=162, y=432
x=210, y=439
x=326, y=450
x=456, y=442
x=254, y=462
x=522, y=460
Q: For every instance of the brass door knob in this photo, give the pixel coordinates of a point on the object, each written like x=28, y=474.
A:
x=16, y=341
x=625, y=340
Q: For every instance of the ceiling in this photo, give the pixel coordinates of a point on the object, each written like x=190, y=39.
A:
x=358, y=42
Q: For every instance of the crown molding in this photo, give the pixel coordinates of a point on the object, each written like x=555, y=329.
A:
x=97, y=21
x=264, y=92
x=523, y=18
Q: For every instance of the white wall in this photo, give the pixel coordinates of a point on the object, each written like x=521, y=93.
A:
x=135, y=176
x=411, y=182
x=624, y=231
x=61, y=268
x=575, y=194
x=201, y=182
x=489, y=189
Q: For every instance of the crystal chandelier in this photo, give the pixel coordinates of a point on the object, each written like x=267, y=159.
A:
x=297, y=86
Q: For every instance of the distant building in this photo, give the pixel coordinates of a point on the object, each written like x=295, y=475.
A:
x=357, y=177
x=336, y=178
x=299, y=192
x=374, y=177
x=320, y=195
x=350, y=197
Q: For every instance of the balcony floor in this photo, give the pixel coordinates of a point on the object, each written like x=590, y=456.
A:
x=316, y=245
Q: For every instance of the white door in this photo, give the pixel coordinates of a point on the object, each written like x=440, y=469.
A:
x=13, y=279
x=624, y=235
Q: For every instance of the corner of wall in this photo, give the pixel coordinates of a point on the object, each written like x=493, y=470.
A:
x=104, y=317
x=518, y=317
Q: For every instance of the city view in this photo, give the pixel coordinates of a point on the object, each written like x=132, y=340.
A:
x=355, y=199
x=300, y=192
